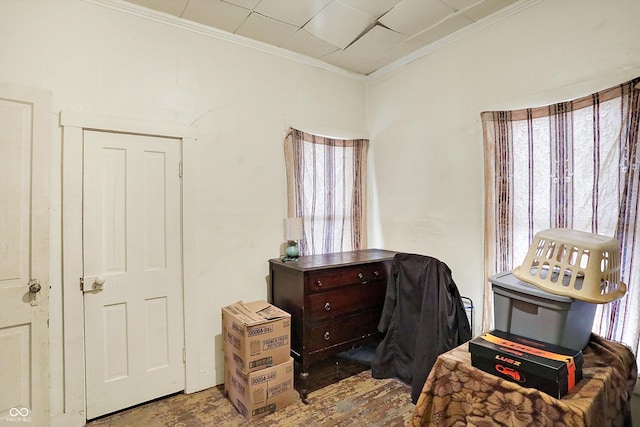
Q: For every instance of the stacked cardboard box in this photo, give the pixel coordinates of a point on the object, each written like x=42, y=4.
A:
x=258, y=366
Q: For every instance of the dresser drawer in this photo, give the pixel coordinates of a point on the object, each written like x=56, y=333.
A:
x=322, y=280
x=325, y=305
x=341, y=331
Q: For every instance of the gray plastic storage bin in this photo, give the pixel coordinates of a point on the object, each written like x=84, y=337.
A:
x=523, y=309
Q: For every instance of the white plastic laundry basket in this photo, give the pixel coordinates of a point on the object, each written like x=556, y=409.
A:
x=584, y=266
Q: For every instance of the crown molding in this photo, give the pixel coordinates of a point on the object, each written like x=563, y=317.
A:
x=174, y=21
x=464, y=32
x=164, y=18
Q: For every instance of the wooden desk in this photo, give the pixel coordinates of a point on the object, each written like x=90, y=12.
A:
x=457, y=394
x=335, y=301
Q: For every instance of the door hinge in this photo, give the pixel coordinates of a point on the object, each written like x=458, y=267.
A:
x=82, y=284
x=180, y=169
x=184, y=354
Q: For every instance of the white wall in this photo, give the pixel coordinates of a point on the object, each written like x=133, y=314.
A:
x=99, y=60
x=424, y=120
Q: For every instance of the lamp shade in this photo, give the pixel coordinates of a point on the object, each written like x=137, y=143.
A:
x=292, y=229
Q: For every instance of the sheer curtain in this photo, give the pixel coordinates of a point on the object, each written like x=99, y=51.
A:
x=326, y=186
x=573, y=164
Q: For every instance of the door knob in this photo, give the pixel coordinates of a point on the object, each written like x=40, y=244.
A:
x=34, y=287
x=92, y=284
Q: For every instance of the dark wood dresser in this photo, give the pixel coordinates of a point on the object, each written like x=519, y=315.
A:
x=335, y=301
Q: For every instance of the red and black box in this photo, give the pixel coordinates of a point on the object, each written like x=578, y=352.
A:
x=549, y=368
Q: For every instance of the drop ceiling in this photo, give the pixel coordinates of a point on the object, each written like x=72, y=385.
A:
x=360, y=36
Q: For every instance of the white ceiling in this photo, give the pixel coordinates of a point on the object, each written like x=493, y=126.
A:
x=360, y=36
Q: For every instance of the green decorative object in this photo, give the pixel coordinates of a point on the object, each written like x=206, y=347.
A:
x=292, y=251
x=292, y=233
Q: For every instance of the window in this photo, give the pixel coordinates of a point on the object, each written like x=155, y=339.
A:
x=576, y=165
x=326, y=187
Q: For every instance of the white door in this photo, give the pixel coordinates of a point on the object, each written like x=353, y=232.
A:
x=24, y=256
x=132, y=270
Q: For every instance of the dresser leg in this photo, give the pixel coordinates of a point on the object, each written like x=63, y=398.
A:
x=304, y=376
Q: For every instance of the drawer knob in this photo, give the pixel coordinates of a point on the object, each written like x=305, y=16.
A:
x=319, y=283
x=326, y=336
x=361, y=277
x=327, y=306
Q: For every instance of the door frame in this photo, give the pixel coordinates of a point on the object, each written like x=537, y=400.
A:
x=73, y=125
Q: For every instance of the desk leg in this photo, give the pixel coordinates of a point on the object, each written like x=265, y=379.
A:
x=302, y=379
x=304, y=376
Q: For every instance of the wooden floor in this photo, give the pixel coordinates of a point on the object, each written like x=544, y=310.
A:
x=343, y=393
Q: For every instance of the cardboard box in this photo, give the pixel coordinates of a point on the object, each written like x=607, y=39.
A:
x=549, y=368
x=256, y=335
x=262, y=392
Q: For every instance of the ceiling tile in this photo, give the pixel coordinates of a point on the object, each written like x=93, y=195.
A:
x=375, y=42
x=373, y=50
x=341, y=59
x=412, y=16
x=486, y=8
x=374, y=8
x=409, y=46
x=461, y=4
x=216, y=13
x=445, y=28
x=299, y=15
x=265, y=29
x=172, y=7
x=338, y=24
x=247, y=4
x=307, y=44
